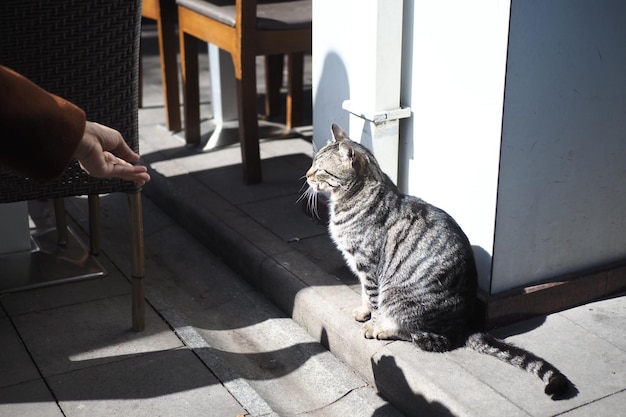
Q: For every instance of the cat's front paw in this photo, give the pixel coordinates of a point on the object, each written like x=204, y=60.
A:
x=373, y=330
x=368, y=330
x=361, y=314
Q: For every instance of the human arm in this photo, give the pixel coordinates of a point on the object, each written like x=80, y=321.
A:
x=41, y=132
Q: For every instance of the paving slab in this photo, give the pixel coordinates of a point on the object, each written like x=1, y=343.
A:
x=601, y=319
x=277, y=175
x=281, y=215
x=610, y=406
x=359, y=402
x=28, y=399
x=92, y=333
x=144, y=386
x=581, y=355
x=16, y=366
x=111, y=285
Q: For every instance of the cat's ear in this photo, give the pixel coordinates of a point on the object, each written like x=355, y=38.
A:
x=347, y=152
x=338, y=133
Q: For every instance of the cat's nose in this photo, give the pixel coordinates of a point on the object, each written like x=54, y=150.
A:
x=310, y=172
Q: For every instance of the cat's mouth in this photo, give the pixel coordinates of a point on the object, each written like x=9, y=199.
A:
x=313, y=185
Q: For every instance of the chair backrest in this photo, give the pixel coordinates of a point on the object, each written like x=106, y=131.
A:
x=261, y=14
x=86, y=51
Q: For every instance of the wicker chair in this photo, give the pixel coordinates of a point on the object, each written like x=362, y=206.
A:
x=86, y=52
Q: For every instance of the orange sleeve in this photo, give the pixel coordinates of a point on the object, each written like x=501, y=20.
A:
x=39, y=131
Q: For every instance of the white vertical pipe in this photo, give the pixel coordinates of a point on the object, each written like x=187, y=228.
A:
x=357, y=50
x=374, y=104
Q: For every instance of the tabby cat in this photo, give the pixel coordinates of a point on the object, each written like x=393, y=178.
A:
x=415, y=264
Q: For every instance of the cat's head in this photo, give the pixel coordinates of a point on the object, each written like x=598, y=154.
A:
x=341, y=165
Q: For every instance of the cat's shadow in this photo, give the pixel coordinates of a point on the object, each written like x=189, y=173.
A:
x=393, y=386
x=388, y=374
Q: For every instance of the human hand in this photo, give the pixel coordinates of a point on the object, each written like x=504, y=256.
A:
x=95, y=158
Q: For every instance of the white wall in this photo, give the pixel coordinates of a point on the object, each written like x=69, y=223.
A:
x=453, y=80
x=336, y=52
x=547, y=149
x=562, y=191
x=453, y=66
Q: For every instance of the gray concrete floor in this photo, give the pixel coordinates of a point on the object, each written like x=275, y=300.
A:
x=278, y=342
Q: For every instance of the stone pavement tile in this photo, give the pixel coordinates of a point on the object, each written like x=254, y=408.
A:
x=28, y=399
x=359, y=403
x=282, y=176
x=321, y=250
x=186, y=277
x=213, y=220
x=284, y=216
x=155, y=140
x=111, y=285
x=231, y=230
x=84, y=335
x=173, y=162
x=611, y=406
x=113, y=222
x=115, y=238
x=170, y=383
x=593, y=365
x=15, y=364
x=497, y=379
x=602, y=318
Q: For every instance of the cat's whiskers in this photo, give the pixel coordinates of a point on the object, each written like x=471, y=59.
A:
x=311, y=200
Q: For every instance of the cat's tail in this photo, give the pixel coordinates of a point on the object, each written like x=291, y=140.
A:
x=556, y=384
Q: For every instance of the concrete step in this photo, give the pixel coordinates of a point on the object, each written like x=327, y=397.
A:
x=267, y=362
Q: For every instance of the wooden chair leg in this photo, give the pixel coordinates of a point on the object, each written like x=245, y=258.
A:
x=137, y=261
x=61, y=221
x=294, y=89
x=166, y=27
x=274, y=65
x=248, y=121
x=191, y=87
x=94, y=224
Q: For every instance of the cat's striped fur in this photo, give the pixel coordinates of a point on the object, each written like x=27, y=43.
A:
x=415, y=264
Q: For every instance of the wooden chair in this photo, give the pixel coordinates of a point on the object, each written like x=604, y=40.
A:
x=164, y=12
x=86, y=52
x=246, y=30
